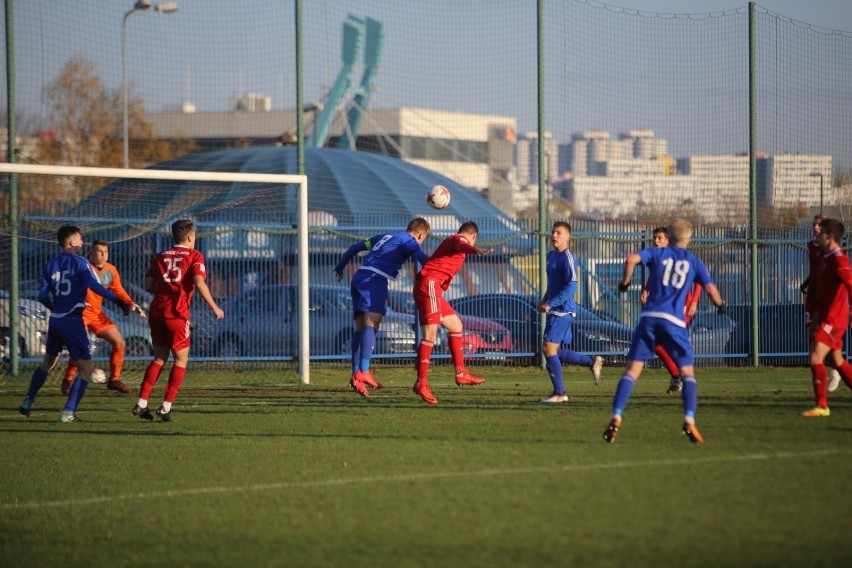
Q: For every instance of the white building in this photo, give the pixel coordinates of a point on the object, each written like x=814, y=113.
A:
x=526, y=158
x=249, y=102
x=794, y=179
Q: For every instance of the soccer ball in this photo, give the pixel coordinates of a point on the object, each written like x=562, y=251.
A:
x=438, y=197
x=833, y=380
x=98, y=377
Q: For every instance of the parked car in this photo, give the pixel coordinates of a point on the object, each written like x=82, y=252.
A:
x=519, y=313
x=264, y=322
x=710, y=333
x=32, y=327
x=783, y=334
x=133, y=328
x=482, y=336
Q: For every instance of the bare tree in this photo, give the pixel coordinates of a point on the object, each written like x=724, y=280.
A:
x=86, y=130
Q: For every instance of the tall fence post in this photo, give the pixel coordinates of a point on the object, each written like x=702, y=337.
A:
x=752, y=179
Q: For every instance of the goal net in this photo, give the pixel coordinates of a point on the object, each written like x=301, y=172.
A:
x=251, y=228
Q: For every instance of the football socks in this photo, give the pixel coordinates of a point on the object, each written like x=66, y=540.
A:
x=356, y=350
x=820, y=381
x=78, y=389
x=36, y=382
x=690, y=397
x=554, y=369
x=424, y=355
x=175, y=381
x=152, y=374
x=368, y=343
x=622, y=394
x=456, y=351
x=569, y=357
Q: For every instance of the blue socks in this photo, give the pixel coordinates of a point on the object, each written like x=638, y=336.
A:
x=36, y=382
x=356, y=350
x=554, y=369
x=564, y=357
x=78, y=389
x=622, y=394
x=368, y=343
x=569, y=357
x=690, y=397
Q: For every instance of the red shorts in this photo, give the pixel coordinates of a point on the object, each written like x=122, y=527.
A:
x=97, y=322
x=171, y=332
x=429, y=298
x=829, y=335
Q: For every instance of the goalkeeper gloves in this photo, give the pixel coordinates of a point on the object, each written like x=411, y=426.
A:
x=623, y=287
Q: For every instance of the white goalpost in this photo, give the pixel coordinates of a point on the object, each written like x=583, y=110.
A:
x=141, y=200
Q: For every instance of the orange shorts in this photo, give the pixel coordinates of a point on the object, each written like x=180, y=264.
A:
x=96, y=322
x=171, y=332
x=829, y=335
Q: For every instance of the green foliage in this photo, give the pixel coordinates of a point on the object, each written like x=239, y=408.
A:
x=313, y=475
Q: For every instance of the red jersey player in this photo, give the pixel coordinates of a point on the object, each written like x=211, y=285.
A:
x=832, y=282
x=814, y=255
x=429, y=286
x=173, y=276
x=661, y=240
x=99, y=323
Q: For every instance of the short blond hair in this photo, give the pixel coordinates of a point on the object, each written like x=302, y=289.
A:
x=681, y=231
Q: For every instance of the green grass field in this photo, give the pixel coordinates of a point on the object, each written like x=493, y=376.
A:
x=255, y=475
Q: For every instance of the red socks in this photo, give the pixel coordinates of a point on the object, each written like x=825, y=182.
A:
x=175, y=381
x=820, y=379
x=669, y=363
x=457, y=352
x=424, y=355
x=152, y=373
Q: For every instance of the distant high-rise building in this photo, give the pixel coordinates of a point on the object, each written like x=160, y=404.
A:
x=526, y=158
x=251, y=102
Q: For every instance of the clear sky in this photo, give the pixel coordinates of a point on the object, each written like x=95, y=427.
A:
x=465, y=55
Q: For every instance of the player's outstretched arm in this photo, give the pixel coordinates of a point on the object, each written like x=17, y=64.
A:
x=629, y=265
x=360, y=246
x=202, y=288
x=713, y=292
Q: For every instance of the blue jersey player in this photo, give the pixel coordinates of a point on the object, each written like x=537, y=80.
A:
x=65, y=280
x=388, y=252
x=558, y=303
x=672, y=272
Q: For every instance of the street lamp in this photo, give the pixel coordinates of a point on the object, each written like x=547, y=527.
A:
x=815, y=174
x=140, y=6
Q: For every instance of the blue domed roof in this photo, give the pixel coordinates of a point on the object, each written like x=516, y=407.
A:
x=354, y=187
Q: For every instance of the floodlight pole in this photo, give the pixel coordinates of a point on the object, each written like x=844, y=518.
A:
x=140, y=6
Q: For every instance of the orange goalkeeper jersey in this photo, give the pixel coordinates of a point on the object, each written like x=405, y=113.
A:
x=109, y=278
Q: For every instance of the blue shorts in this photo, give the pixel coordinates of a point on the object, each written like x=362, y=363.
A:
x=70, y=332
x=557, y=329
x=651, y=332
x=369, y=292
